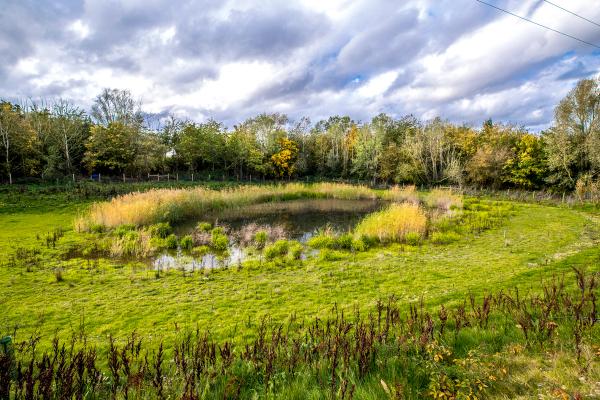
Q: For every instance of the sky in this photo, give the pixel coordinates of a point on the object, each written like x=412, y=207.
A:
x=230, y=60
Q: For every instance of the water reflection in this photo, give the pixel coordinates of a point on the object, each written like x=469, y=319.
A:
x=299, y=219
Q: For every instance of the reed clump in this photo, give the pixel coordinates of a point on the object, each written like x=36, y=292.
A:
x=394, y=223
x=175, y=205
x=402, y=194
x=443, y=199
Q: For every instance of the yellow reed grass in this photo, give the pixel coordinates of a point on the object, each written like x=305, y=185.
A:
x=444, y=199
x=176, y=205
x=394, y=223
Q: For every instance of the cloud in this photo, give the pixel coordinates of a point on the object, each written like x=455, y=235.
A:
x=233, y=59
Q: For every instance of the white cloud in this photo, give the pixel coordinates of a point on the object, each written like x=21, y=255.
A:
x=233, y=59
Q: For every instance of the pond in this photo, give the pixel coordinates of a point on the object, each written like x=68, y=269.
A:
x=295, y=219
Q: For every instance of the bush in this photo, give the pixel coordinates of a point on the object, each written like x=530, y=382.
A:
x=278, y=249
x=160, y=230
x=444, y=237
x=204, y=226
x=171, y=242
x=186, y=242
x=219, y=241
x=393, y=223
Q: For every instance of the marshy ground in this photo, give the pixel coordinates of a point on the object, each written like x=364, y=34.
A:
x=52, y=288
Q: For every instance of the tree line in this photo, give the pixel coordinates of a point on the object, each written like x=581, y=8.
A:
x=116, y=137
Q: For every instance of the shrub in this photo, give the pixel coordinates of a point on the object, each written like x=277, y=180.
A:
x=278, y=249
x=393, y=223
x=219, y=241
x=171, y=242
x=444, y=237
x=160, y=230
x=204, y=226
x=443, y=199
x=186, y=242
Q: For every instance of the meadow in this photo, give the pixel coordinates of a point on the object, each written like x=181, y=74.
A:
x=434, y=295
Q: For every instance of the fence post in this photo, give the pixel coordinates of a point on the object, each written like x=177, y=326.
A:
x=168, y=177
x=192, y=177
x=73, y=178
x=99, y=177
x=123, y=177
x=177, y=177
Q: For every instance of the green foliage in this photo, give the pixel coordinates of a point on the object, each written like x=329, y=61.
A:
x=260, y=239
x=200, y=251
x=219, y=241
x=278, y=249
x=186, y=243
x=204, y=226
x=321, y=241
x=160, y=230
x=444, y=237
x=413, y=238
x=171, y=242
x=295, y=250
x=123, y=229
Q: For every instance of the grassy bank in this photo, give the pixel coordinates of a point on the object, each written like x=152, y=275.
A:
x=48, y=293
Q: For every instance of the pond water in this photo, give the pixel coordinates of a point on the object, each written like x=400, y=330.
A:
x=295, y=219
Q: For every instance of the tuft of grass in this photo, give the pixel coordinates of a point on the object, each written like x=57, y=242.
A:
x=219, y=241
x=444, y=237
x=393, y=223
x=278, y=249
x=160, y=230
x=404, y=194
x=443, y=199
x=186, y=243
x=204, y=226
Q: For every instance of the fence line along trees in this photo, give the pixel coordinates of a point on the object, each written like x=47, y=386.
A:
x=58, y=139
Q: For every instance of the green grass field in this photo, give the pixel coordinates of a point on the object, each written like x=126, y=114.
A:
x=114, y=297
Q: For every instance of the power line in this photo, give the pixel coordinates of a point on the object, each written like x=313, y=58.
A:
x=538, y=24
x=571, y=12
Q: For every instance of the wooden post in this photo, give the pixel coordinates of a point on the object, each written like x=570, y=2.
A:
x=73, y=177
x=178, y=177
x=99, y=177
x=192, y=177
x=123, y=177
x=168, y=177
